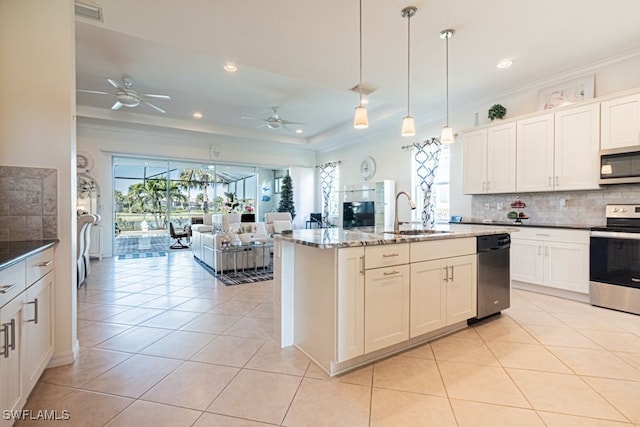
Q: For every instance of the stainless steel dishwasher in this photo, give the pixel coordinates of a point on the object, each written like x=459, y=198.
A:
x=494, y=282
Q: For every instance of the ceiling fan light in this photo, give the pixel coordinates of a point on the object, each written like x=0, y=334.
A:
x=447, y=135
x=408, y=126
x=361, y=119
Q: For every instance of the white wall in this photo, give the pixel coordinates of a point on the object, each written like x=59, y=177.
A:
x=394, y=163
x=304, y=194
x=102, y=143
x=37, y=128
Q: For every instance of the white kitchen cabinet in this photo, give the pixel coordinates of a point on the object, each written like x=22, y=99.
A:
x=620, y=123
x=559, y=151
x=350, y=303
x=577, y=141
x=386, y=307
x=38, y=328
x=26, y=327
x=13, y=393
x=489, y=160
x=535, y=153
x=443, y=292
x=553, y=258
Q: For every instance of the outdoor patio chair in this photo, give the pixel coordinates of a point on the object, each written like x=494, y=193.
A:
x=177, y=236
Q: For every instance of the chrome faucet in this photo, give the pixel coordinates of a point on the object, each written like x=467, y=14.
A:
x=396, y=223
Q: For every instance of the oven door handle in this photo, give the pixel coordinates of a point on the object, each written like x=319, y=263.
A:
x=616, y=235
x=633, y=279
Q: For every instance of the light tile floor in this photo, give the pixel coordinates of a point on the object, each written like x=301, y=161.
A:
x=164, y=344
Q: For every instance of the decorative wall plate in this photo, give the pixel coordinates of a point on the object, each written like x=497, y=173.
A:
x=84, y=162
x=368, y=168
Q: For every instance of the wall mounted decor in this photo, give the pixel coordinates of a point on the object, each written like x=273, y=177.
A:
x=566, y=93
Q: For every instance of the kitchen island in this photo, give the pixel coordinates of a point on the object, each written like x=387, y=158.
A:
x=348, y=297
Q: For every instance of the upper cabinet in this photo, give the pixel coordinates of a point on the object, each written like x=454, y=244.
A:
x=549, y=151
x=620, y=123
x=489, y=159
x=577, y=140
x=535, y=153
x=559, y=151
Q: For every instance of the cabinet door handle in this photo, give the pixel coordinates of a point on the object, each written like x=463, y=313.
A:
x=6, y=288
x=451, y=278
x=488, y=185
x=446, y=274
x=557, y=181
x=391, y=273
x=484, y=185
x=543, y=234
x=550, y=182
x=539, y=250
x=45, y=264
x=546, y=251
x=389, y=255
x=35, y=311
x=5, y=346
x=362, y=265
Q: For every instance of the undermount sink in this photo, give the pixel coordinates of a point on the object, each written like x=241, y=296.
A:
x=419, y=232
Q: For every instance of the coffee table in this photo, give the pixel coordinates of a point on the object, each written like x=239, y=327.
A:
x=245, y=250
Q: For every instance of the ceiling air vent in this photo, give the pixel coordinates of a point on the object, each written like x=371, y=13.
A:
x=366, y=89
x=89, y=11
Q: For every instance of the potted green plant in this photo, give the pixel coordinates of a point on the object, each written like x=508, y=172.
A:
x=497, y=112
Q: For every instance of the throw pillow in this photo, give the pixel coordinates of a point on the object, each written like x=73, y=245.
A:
x=280, y=226
x=234, y=226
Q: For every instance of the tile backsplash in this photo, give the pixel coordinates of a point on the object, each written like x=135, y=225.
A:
x=582, y=207
x=28, y=203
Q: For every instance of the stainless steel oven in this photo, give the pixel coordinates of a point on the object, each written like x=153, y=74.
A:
x=614, y=268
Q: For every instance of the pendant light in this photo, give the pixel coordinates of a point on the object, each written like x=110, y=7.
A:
x=447, y=131
x=408, y=124
x=361, y=119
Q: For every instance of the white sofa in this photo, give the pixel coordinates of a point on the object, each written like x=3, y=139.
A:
x=207, y=245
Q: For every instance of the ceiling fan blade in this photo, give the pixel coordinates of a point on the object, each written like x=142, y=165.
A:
x=287, y=122
x=115, y=84
x=252, y=118
x=147, y=103
x=118, y=105
x=150, y=95
x=93, y=91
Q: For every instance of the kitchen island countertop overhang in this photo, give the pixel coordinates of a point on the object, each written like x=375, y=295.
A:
x=346, y=297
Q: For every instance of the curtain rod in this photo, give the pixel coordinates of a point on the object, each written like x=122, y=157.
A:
x=433, y=140
x=329, y=164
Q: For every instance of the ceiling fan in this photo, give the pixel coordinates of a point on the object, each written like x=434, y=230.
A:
x=126, y=96
x=274, y=121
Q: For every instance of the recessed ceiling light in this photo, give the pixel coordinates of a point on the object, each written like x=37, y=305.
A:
x=230, y=67
x=505, y=63
x=197, y=115
x=299, y=131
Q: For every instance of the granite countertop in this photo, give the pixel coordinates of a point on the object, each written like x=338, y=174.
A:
x=526, y=223
x=327, y=238
x=12, y=252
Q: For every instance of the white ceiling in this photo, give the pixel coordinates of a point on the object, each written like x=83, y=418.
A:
x=303, y=57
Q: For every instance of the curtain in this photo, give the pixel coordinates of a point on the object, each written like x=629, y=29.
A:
x=327, y=176
x=427, y=156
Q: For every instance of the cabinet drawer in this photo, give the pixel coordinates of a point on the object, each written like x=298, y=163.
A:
x=12, y=282
x=425, y=251
x=552, y=235
x=40, y=264
x=386, y=255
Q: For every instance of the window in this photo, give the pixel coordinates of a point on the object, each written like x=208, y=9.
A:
x=439, y=189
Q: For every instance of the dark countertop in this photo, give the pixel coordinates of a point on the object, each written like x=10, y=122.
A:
x=15, y=251
x=528, y=224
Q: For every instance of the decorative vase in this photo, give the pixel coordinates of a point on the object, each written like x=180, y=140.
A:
x=245, y=238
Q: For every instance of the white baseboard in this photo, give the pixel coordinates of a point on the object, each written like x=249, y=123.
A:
x=65, y=358
x=561, y=293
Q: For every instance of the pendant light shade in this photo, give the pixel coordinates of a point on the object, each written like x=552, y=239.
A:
x=408, y=124
x=361, y=118
x=447, y=132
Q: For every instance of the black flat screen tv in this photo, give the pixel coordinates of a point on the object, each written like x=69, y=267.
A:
x=358, y=214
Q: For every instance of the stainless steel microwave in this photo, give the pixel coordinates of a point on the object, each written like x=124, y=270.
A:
x=619, y=166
